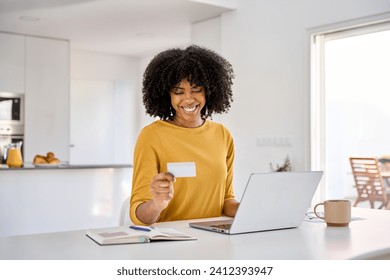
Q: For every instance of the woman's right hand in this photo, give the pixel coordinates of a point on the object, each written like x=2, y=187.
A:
x=162, y=190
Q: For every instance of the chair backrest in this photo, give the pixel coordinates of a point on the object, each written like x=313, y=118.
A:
x=368, y=179
x=124, y=219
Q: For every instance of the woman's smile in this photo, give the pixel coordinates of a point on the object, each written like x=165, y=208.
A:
x=189, y=109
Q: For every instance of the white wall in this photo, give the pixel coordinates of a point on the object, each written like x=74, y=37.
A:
x=143, y=118
x=207, y=33
x=92, y=70
x=266, y=41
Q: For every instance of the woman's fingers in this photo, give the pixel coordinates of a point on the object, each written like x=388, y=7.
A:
x=162, y=189
x=164, y=176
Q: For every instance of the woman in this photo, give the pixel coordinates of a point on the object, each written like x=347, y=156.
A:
x=183, y=88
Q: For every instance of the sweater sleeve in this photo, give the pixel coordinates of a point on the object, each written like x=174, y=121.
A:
x=146, y=166
x=229, y=193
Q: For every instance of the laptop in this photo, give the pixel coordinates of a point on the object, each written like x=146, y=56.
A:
x=271, y=201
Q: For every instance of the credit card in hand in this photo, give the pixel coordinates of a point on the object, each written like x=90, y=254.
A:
x=182, y=169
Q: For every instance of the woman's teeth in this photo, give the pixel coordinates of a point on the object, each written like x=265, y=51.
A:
x=189, y=109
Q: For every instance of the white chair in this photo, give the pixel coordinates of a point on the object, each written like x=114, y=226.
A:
x=124, y=219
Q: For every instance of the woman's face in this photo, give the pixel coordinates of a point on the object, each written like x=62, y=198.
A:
x=188, y=101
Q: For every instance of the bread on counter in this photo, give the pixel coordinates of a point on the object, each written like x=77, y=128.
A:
x=48, y=159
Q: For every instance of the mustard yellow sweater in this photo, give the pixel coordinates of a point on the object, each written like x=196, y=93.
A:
x=209, y=146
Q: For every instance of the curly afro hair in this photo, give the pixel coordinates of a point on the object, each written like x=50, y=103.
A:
x=199, y=66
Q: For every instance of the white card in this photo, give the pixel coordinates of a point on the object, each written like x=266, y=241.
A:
x=182, y=169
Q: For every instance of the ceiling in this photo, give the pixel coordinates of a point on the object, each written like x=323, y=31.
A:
x=135, y=28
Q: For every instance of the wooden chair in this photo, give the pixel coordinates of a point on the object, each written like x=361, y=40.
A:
x=369, y=182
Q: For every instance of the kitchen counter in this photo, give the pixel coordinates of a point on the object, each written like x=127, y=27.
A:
x=61, y=198
x=30, y=166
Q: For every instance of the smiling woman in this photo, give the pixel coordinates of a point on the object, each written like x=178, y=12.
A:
x=183, y=88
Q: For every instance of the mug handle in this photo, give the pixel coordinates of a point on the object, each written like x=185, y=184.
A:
x=315, y=212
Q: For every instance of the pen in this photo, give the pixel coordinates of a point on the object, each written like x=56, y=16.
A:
x=140, y=228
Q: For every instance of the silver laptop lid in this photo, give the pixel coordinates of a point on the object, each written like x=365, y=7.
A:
x=275, y=200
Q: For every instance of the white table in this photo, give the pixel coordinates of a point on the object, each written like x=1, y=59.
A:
x=368, y=236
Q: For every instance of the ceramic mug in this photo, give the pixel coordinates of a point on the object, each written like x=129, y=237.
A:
x=337, y=212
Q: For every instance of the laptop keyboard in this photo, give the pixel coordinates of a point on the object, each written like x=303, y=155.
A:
x=222, y=226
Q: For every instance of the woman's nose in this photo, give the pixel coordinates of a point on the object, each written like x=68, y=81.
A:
x=188, y=96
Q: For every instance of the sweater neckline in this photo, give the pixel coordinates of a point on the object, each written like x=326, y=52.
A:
x=195, y=129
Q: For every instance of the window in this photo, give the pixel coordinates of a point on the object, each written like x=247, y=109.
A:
x=349, y=95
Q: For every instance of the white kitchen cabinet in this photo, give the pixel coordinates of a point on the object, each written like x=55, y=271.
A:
x=92, y=122
x=47, y=98
x=12, y=62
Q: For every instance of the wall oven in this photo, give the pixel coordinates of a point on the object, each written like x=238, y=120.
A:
x=11, y=108
x=11, y=121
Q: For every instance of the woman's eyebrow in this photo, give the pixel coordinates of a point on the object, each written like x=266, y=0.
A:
x=179, y=87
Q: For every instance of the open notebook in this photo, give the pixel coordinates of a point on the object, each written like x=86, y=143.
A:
x=126, y=235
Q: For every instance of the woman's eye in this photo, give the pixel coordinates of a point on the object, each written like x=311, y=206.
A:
x=196, y=90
